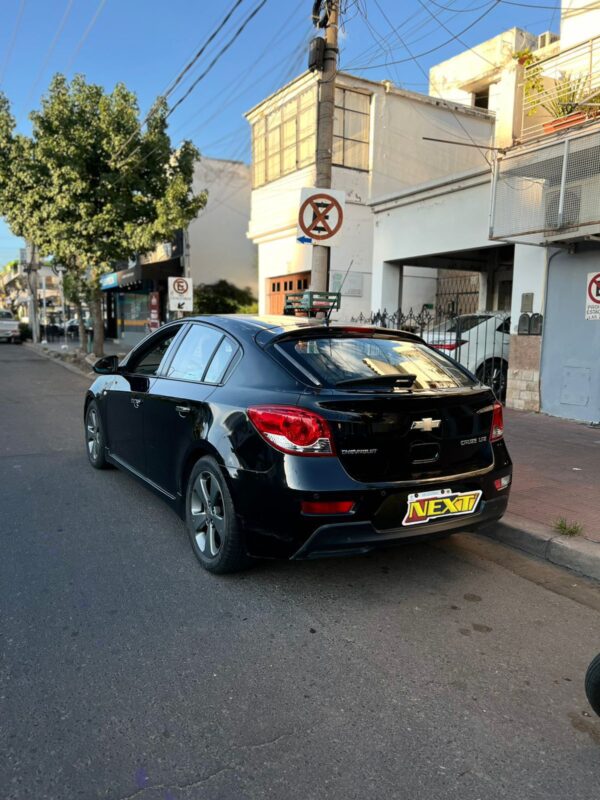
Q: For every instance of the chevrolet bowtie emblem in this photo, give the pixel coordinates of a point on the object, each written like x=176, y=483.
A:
x=426, y=424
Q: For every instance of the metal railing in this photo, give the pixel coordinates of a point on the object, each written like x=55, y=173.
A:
x=561, y=91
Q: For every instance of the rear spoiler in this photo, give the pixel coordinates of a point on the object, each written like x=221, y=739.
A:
x=320, y=330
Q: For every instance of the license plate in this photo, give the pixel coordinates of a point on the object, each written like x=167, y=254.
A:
x=426, y=506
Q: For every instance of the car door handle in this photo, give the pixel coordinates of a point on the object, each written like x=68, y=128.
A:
x=136, y=402
x=183, y=411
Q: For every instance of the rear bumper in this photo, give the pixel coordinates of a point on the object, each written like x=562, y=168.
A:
x=345, y=538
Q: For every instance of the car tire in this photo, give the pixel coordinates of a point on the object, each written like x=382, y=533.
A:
x=216, y=537
x=592, y=684
x=95, y=443
x=495, y=376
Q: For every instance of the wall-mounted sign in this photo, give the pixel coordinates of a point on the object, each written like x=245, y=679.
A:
x=352, y=286
x=592, y=296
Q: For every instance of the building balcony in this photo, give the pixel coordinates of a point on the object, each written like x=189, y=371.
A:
x=548, y=191
x=561, y=92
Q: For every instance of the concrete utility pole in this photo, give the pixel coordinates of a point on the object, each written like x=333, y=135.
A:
x=326, y=107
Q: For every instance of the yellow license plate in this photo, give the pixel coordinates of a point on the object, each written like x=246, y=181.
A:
x=427, y=506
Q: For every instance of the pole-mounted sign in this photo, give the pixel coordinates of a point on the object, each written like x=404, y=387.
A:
x=321, y=216
x=181, y=296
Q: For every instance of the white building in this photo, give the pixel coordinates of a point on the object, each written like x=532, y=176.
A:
x=378, y=149
x=530, y=228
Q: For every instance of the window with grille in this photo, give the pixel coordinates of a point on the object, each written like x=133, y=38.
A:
x=351, y=129
x=284, y=140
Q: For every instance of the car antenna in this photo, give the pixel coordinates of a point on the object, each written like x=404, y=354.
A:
x=338, y=293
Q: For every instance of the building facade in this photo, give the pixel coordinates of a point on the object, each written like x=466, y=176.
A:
x=378, y=147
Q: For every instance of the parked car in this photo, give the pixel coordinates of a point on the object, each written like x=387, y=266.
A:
x=286, y=437
x=480, y=342
x=73, y=326
x=9, y=327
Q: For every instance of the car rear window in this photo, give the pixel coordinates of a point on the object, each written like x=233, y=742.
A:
x=338, y=359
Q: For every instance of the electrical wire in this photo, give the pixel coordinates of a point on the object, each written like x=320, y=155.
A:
x=86, y=33
x=13, y=40
x=180, y=75
x=454, y=38
x=217, y=58
x=458, y=39
x=420, y=67
x=50, y=50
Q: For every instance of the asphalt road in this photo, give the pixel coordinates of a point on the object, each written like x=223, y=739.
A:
x=429, y=672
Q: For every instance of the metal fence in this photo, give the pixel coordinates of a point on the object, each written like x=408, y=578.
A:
x=548, y=193
x=478, y=340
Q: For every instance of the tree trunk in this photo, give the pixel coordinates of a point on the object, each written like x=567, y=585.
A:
x=82, y=330
x=98, y=322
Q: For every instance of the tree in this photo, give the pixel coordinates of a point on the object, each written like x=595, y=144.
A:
x=90, y=186
x=223, y=297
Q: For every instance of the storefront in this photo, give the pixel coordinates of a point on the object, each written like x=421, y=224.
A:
x=136, y=298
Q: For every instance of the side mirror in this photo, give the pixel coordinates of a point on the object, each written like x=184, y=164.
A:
x=107, y=365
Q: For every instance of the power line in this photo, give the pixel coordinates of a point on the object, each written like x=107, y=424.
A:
x=191, y=63
x=458, y=39
x=13, y=40
x=420, y=67
x=86, y=33
x=50, y=50
x=179, y=77
x=219, y=55
x=454, y=38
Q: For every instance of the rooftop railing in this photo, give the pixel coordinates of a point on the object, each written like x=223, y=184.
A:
x=562, y=91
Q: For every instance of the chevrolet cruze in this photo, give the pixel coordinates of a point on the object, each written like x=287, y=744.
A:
x=281, y=437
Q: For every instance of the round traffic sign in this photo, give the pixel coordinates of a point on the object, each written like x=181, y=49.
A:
x=320, y=216
x=594, y=289
x=180, y=285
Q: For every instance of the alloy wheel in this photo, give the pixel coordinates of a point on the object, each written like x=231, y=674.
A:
x=93, y=434
x=208, y=514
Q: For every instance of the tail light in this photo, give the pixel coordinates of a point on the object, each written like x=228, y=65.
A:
x=327, y=507
x=293, y=430
x=451, y=346
x=497, y=430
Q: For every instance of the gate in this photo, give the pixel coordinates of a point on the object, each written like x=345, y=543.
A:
x=478, y=340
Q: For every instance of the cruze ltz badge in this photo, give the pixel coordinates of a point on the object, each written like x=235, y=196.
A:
x=426, y=424
x=424, y=506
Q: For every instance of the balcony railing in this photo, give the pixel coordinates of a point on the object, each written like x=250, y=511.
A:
x=562, y=91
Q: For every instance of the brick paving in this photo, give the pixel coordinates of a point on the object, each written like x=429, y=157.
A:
x=556, y=470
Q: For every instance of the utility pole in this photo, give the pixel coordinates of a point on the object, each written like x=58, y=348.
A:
x=329, y=20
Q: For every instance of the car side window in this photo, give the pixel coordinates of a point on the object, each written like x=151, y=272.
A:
x=220, y=361
x=194, y=353
x=149, y=361
x=504, y=326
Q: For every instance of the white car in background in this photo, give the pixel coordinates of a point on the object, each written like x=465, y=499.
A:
x=9, y=327
x=479, y=342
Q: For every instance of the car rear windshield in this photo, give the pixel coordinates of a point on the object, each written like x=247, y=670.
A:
x=375, y=360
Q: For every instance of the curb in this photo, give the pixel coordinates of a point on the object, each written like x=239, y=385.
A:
x=55, y=360
x=576, y=553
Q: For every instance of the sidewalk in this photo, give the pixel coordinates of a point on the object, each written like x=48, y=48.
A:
x=556, y=475
x=72, y=346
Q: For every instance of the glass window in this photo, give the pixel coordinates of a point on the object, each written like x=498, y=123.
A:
x=351, y=129
x=284, y=139
x=221, y=360
x=194, y=353
x=148, y=362
x=348, y=358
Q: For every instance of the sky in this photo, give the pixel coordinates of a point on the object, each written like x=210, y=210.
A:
x=145, y=44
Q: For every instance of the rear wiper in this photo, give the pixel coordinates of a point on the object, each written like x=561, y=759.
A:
x=401, y=381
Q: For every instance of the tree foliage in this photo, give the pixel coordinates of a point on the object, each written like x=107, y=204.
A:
x=90, y=186
x=222, y=297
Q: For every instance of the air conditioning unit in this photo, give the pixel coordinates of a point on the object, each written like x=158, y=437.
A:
x=571, y=209
x=544, y=39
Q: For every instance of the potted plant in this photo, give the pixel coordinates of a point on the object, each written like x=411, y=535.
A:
x=568, y=103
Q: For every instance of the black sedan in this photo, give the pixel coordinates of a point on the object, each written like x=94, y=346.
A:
x=297, y=439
